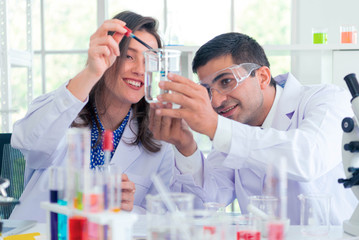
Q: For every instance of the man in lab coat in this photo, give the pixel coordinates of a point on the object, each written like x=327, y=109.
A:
x=253, y=121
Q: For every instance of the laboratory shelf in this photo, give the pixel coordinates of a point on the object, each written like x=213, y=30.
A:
x=286, y=47
x=20, y=58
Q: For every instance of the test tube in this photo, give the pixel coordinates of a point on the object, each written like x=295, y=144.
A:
x=283, y=187
x=78, y=164
x=93, y=196
x=59, y=181
x=93, y=202
x=77, y=224
x=276, y=185
x=55, y=186
x=114, y=188
x=62, y=221
x=107, y=147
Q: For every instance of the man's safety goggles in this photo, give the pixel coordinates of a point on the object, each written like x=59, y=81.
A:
x=226, y=80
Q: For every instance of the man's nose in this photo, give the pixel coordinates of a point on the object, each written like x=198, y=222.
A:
x=217, y=98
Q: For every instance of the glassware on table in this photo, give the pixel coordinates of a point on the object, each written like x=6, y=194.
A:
x=243, y=226
x=207, y=224
x=162, y=223
x=314, y=214
x=263, y=210
x=215, y=206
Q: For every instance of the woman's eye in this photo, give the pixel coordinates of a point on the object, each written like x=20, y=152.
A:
x=130, y=58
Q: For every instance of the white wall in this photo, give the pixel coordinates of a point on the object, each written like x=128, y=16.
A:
x=324, y=13
x=324, y=66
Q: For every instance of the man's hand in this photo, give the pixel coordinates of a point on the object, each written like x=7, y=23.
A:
x=196, y=108
x=172, y=130
x=128, y=193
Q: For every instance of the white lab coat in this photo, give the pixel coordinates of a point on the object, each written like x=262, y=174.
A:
x=306, y=130
x=40, y=135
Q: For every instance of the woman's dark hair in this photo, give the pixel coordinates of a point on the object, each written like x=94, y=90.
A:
x=140, y=110
x=241, y=47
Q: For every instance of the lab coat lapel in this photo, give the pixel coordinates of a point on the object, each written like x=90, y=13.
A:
x=288, y=104
x=126, y=154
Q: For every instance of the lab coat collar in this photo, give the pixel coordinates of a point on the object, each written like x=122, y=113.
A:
x=126, y=154
x=286, y=107
x=269, y=119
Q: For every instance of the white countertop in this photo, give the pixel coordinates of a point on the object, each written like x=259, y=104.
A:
x=294, y=233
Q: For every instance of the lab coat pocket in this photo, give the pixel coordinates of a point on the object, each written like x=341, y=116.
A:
x=142, y=185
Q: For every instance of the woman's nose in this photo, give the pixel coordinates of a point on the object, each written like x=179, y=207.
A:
x=139, y=68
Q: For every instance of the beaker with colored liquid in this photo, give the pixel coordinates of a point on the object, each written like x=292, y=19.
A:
x=320, y=35
x=348, y=34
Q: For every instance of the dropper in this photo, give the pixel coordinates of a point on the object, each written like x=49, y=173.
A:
x=107, y=146
x=130, y=34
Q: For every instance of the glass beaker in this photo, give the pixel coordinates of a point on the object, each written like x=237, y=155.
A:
x=242, y=227
x=314, y=214
x=158, y=63
x=162, y=224
x=209, y=225
x=215, y=206
x=348, y=34
x=320, y=35
x=263, y=210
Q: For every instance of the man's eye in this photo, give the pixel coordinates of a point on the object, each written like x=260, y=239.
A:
x=225, y=81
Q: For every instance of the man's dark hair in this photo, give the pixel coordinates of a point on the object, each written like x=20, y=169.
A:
x=241, y=47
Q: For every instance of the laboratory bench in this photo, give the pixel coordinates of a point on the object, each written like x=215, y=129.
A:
x=139, y=232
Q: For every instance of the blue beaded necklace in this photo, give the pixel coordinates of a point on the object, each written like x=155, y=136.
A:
x=97, y=154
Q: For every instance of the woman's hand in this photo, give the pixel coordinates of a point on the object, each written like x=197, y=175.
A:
x=103, y=51
x=104, y=48
x=128, y=193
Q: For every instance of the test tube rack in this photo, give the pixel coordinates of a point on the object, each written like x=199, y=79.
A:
x=121, y=223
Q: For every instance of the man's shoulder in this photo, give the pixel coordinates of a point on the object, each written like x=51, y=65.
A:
x=297, y=97
x=327, y=91
x=290, y=84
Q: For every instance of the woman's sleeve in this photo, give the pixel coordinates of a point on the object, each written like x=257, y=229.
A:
x=44, y=126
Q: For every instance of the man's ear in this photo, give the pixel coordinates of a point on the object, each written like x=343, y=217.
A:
x=264, y=77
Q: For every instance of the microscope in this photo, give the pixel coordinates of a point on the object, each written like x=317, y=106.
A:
x=350, y=153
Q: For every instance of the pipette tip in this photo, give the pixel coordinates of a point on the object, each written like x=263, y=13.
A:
x=130, y=34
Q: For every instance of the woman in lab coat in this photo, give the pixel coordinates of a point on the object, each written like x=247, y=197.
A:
x=108, y=94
